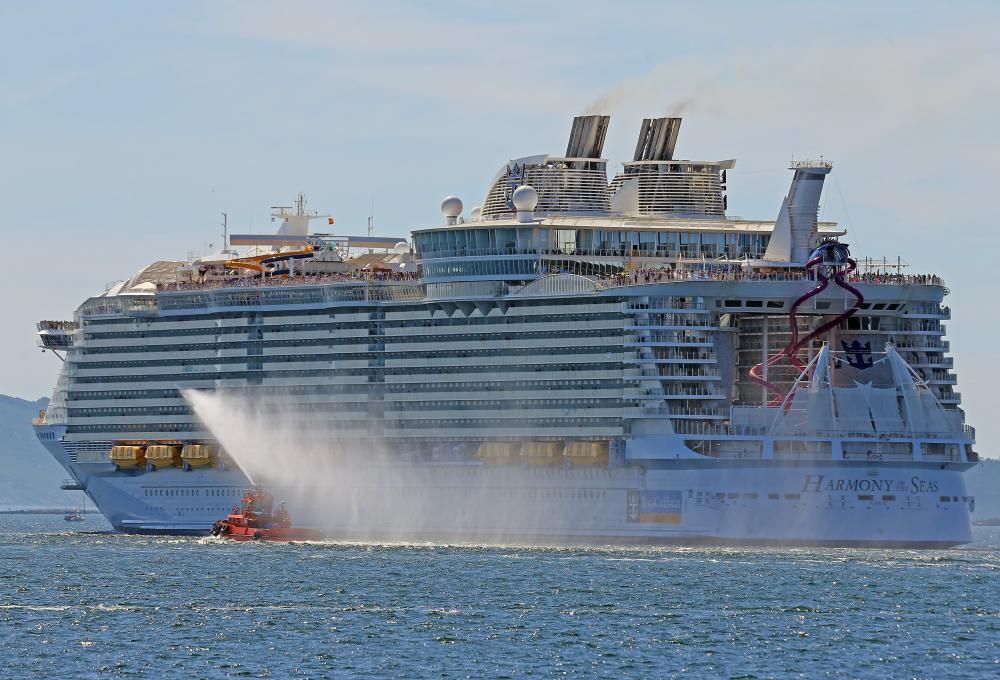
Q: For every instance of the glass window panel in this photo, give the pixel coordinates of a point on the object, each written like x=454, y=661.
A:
x=566, y=241
x=541, y=242
x=482, y=241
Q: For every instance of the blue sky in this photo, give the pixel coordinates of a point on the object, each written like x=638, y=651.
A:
x=126, y=128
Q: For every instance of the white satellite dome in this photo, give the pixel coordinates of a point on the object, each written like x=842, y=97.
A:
x=475, y=214
x=401, y=248
x=525, y=198
x=451, y=206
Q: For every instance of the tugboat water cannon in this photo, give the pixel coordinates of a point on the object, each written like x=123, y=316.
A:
x=256, y=519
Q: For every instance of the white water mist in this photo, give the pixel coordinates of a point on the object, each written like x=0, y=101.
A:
x=360, y=488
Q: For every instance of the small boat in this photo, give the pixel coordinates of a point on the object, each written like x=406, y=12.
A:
x=256, y=519
x=75, y=516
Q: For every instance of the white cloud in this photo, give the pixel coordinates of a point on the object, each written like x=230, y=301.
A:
x=437, y=54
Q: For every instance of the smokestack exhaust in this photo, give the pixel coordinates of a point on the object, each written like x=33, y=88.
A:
x=586, y=139
x=657, y=139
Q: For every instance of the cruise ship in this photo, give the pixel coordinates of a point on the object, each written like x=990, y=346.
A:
x=580, y=358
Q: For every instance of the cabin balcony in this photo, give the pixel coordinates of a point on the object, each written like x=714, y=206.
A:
x=673, y=360
x=940, y=362
x=634, y=309
x=942, y=380
x=916, y=345
x=697, y=325
x=56, y=335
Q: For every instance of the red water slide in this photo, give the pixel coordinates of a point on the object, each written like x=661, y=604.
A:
x=824, y=256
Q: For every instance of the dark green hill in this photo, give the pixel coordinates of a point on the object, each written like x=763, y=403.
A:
x=29, y=477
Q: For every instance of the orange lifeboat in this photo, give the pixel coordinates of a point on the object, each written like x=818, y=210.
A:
x=159, y=456
x=587, y=453
x=127, y=456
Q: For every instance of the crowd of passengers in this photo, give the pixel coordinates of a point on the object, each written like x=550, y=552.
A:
x=57, y=325
x=654, y=275
x=635, y=277
x=885, y=277
x=356, y=276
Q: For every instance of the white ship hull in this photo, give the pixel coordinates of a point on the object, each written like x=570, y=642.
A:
x=709, y=502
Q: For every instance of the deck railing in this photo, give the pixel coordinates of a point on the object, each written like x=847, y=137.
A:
x=634, y=278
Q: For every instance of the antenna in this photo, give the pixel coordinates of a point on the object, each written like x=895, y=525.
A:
x=225, y=231
x=371, y=217
x=371, y=221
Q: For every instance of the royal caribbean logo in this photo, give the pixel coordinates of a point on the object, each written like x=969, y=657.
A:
x=632, y=506
x=653, y=507
x=514, y=178
x=858, y=356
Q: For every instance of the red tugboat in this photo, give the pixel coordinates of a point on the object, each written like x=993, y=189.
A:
x=255, y=519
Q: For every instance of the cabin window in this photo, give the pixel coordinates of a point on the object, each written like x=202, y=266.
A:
x=647, y=243
x=667, y=244
x=566, y=241
x=689, y=243
x=710, y=245
x=863, y=323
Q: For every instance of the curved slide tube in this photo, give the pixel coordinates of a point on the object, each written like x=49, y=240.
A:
x=256, y=263
x=796, y=343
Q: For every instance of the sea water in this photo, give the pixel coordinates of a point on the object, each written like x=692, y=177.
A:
x=77, y=601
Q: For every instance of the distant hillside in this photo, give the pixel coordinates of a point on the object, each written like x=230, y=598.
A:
x=28, y=474
x=983, y=482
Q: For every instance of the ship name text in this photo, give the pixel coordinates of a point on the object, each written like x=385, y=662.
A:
x=818, y=483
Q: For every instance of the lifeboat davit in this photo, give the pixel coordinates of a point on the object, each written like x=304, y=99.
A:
x=256, y=519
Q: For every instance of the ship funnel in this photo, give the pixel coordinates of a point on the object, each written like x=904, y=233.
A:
x=796, y=229
x=657, y=139
x=586, y=139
